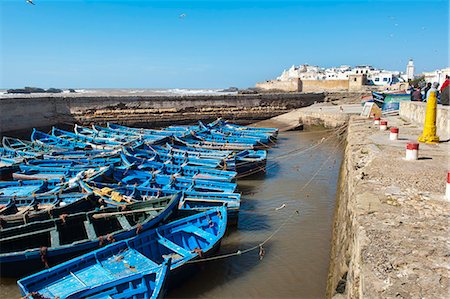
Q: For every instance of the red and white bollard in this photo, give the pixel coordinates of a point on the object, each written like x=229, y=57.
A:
x=447, y=190
x=376, y=121
x=383, y=125
x=394, y=134
x=412, y=151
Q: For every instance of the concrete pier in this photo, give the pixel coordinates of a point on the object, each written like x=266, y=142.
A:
x=391, y=228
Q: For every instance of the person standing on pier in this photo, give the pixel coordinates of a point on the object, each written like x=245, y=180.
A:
x=416, y=94
x=425, y=91
x=433, y=89
x=445, y=91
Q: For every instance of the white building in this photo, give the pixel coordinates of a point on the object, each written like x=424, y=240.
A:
x=374, y=76
x=410, y=70
x=436, y=76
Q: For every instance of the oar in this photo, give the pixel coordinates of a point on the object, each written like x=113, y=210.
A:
x=104, y=215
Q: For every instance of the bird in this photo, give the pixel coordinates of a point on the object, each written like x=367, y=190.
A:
x=182, y=16
x=30, y=2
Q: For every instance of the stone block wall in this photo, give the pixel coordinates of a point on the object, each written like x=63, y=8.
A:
x=23, y=112
x=324, y=85
x=286, y=86
x=415, y=111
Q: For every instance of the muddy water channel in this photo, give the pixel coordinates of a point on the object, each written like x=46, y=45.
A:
x=296, y=258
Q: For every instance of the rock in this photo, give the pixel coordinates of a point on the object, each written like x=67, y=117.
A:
x=248, y=91
x=26, y=90
x=230, y=89
x=34, y=89
x=71, y=90
x=54, y=90
x=17, y=90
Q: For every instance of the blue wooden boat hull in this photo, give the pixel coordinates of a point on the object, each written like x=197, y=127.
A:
x=98, y=143
x=146, y=179
x=182, y=240
x=27, y=188
x=159, y=154
x=248, y=163
x=192, y=200
x=147, y=285
x=50, y=140
x=195, y=172
x=15, y=264
x=66, y=203
x=196, y=143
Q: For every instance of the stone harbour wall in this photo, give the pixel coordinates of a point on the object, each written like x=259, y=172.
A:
x=324, y=85
x=23, y=112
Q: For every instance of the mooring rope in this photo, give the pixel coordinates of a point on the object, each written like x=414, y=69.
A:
x=294, y=213
x=294, y=152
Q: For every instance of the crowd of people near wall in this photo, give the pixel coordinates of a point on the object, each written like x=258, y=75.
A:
x=421, y=94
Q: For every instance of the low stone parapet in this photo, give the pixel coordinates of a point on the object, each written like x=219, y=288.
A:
x=415, y=112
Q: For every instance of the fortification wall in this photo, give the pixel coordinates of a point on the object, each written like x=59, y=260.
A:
x=286, y=86
x=324, y=85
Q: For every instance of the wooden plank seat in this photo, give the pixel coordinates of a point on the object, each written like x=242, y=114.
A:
x=196, y=231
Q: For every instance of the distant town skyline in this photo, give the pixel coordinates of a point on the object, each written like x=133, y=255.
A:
x=211, y=44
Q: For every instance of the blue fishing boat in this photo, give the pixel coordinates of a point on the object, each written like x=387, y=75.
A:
x=197, y=142
x=94, y=142
x=226, y=126
x=123, y=139
x=28, y=188
x=245, y=163
x=182, y=241
x=140, y=131
x=221, y=138
x=201, y=152
x=28, y=148
x=8, y=160
x=43, y=173
x=192, y=200
x=7, y=206
x=194, y=172
x=150, y=136
x=44, y=207
x=158, y=181
x=74, y=162
x=160, y=154
x=262, y=138
x=250, y=162
x=50, y=140
x=36, y=245
x=79, y=154
x=390, y=102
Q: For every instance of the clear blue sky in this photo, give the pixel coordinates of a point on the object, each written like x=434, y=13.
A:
x=117, y=44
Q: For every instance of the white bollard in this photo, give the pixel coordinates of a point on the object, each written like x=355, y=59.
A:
x=383, y=125
x=394, y=134
x=376, y=121
x=447, y=190
x=412, y=151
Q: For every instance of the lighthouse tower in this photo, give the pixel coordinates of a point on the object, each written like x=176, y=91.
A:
x=410, y=70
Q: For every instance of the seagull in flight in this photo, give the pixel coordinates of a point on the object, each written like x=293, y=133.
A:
x=182, y=16
x=30, y=2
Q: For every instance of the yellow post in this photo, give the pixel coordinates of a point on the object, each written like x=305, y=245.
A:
x=429, y=128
